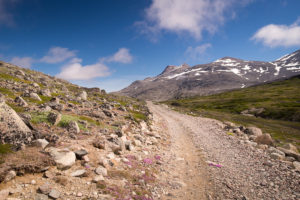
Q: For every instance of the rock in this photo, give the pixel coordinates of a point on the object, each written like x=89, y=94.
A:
x=35, y=85
x=46, y=93
x=73, y=127
x=253, y=131
x=4, y=194
x=79, y=194
x=290, y=153
x=100, y=144
x=98, y=178
x=83, y=95
x=79, y=173
x=54, y=194
x=137, y=143
x=41, y=143
x=45, y=189
x=21, y=102
x=35, y=96
x=80, y=153
x=20, y=72
x=10, y=175
x=41, y=197
x=63, y=158
x=296, y=165
x=13, y=130
x=290, y=147
x=277, y=156
x=55, y=100
x=274, y=150
x=101, y=171
x=33, y=182
x=54, y=118
x=264, y=139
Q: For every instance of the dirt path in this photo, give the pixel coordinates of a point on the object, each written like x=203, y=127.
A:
x=246, y=172
x=185, y=171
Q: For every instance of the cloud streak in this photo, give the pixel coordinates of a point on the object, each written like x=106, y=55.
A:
x=25, y=62
x=74, y=70
x=273, y=35
x=57, y=55
x=121, y=56
x=191, y=16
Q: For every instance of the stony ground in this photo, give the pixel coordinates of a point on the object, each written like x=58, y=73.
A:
x=208, y=163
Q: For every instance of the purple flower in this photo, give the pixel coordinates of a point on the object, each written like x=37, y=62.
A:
x=148, y=161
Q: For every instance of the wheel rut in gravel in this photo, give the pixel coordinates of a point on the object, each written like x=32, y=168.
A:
x=185, y=168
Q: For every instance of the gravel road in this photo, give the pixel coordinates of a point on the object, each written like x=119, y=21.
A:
x=217, y=165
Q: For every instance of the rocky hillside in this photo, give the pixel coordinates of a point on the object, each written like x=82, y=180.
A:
x=221, y=75
x=62, y=141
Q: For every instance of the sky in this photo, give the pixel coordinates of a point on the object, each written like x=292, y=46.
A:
x=111, y=43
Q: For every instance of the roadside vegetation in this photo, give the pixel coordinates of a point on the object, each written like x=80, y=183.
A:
x=273, y=107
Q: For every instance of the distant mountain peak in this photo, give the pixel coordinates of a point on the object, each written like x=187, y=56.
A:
x=171, y=68
x=224, y=74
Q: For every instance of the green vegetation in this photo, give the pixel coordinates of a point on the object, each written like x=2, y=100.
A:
x=4, y=149
x=18, y=109
x=39, y=117
x=138, y=116
x=45, y=99
x=278, y=102
x=12, y=78
x=7, y=92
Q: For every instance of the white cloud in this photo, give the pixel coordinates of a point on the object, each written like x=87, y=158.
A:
x=25, y=62
x=192, y=16
x=57, y=55
x=6, y=17
x=121, y=56
x=74, y=70
x=197, y=52
x=274, y=35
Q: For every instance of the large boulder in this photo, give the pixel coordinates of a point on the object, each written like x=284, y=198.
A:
x=64, y=158
x=264, y=139
x=35, y=96
x=290, y=147
x=12, y=128
x=73, y=127
x=54, y=118
x=253, y=131
x=21, y=102
x=290, y=153
x=83, y=95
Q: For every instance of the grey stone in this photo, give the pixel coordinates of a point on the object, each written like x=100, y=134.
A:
x=45, y=189
x=54, y=118
x=55, y=194
x=35, y=96
x=21, y=102
x=41, y=197
x=63, y=158
x=101, y=171
x=79, y=173
x=41, y=143
x=80, y=153
x=73, y=127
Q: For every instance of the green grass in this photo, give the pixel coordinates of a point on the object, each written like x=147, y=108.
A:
x=12, y=78
x=138, y=116
x=4, y=149
x=7, y=92
x=45, y=99
x=39, y=117
x=18, y=109
x=280, y=101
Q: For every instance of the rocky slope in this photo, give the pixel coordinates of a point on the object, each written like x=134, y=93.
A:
x=62, y=141
x=221, y=75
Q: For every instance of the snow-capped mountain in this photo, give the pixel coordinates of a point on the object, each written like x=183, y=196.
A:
x=221, y=75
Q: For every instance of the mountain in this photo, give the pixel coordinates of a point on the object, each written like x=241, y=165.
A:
x=221, y=75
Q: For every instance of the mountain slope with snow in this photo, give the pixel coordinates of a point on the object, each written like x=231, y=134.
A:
x=221, y=75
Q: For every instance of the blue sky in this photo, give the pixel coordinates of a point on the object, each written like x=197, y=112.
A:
x=109, y=44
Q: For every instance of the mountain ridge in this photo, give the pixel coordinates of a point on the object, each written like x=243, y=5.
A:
x=224, y=74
